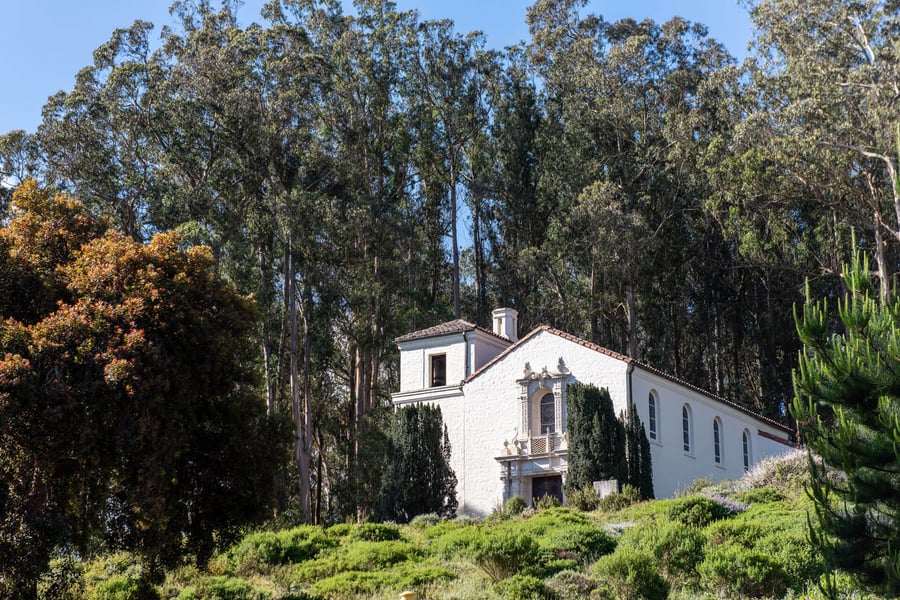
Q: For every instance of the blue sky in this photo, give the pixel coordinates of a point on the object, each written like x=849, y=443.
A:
x=44, y=43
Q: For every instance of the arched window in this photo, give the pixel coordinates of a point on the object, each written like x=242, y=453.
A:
x=548, y=414
x=748, y=450
x=717, y=440
x=651, y=404
x=686, y=428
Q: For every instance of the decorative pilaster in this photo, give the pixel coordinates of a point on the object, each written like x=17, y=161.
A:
x=523, y=401
x=557, y=405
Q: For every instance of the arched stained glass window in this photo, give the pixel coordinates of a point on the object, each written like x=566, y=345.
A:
x=686, y=433
x=651, y=403
x=717, y=440
x=548, y=414
x=748, y=450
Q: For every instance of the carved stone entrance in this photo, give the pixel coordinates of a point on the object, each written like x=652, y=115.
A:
x=546, y=486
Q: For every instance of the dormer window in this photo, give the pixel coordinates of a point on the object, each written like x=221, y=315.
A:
x=438, y=370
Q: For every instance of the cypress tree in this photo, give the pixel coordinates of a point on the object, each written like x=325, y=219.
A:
x=596, y=437
x=417, y=476
x=637, y=448
x=646, y=481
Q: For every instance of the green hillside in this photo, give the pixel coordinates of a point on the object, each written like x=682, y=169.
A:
x=741, y=539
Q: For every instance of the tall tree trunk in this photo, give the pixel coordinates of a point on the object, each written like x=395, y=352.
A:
x=320, y=444
x=300, y=417
x=884, y=276
x=593, y=302
x=480, y=277
x=361, y=393
x=453, y=238
x=267, y=351
x=632, y=325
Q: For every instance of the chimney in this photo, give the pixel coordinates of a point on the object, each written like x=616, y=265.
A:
x=506, y=323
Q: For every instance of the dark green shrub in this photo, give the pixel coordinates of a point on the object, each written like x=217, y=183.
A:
x=350, y=583
x=466, y=519
x=731, y=571
x=375, y=532
x=443, y=528
x=583, y=498
x=416, y=576
x=552, y=566
x=762, y=495
x=375, y=555
x=344, y=585
x=799, y=560
x=613, y=502
x=545, y=502
x=677, y=547
x=742, y=532
x=315, y=569
x=628, y=574
x=63, y=579
x=355, y=556
x=514, y=506
x=118, y=576
x=425, y=521
x=340, y=530
x=571, y=585
x=449, y=539
x=303, y=543
x=564, y=533
x=222, y=587
x=581, y=542
x=551, y=519
x=117, y=587
x=698, y=511
x=257, y=552
x=502, y=553
x=522, y=587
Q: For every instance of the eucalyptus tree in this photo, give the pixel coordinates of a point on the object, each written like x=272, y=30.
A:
x=622, y=98
x=362, y=120
x=98, y=140
x=518, y=223
x=19, y=160
x=828, y=77
x=447, y=81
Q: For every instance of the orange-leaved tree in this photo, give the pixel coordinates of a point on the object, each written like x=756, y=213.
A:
x=130, y=414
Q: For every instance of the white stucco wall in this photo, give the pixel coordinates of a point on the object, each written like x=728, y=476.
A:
x=486, y=411
x=493, y=410
x=673, y=468
x=415, y=360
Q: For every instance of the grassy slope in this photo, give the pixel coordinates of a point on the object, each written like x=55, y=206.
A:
x=739, y=539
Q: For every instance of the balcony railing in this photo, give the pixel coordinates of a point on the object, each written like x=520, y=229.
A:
x=540, y=444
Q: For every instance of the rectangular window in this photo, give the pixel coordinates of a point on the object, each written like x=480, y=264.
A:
x=438, y=370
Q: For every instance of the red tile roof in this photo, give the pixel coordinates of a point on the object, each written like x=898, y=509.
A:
x=457, y=326
x=627, y=360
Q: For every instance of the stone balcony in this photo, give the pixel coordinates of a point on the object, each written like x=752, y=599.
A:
x=549, y=443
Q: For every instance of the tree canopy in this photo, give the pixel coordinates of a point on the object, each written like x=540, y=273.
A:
x=129, y=411
x=847, y=404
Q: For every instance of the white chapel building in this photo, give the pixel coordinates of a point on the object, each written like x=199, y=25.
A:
x=503, y=400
